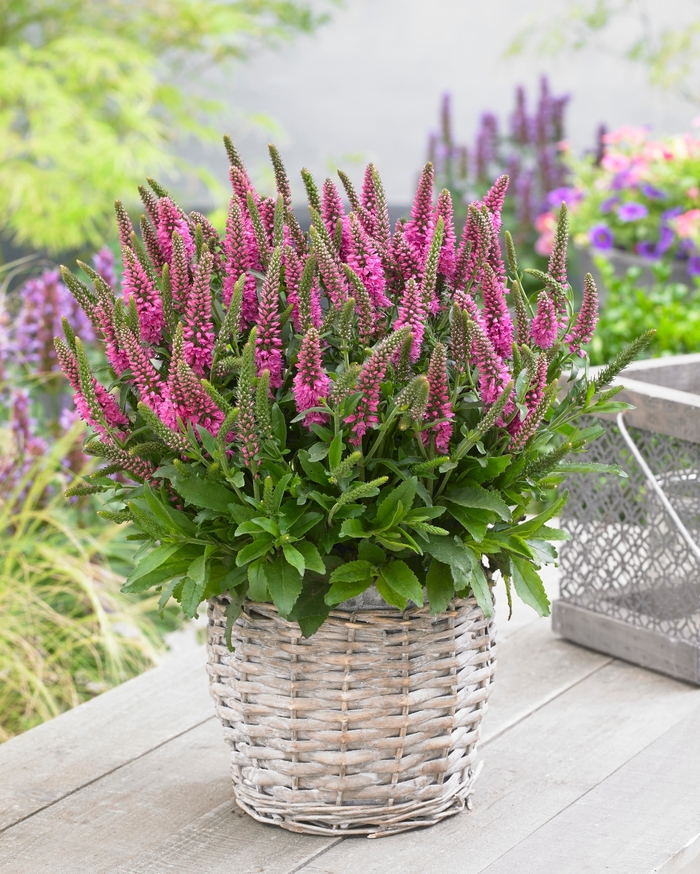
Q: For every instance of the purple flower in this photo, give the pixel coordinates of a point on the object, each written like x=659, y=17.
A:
x=687, y=248
x=601, y=237
x=652, y=193
x=625, y=179
x=632, y=211
x=609, y=204
x=646, y=249
x=570, y=196
x=694, y=265
x=669, y=214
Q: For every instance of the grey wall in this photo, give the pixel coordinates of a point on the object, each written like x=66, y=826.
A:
x=368, y=85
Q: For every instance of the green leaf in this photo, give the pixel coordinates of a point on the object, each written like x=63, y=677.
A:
x=152, y=561
x=314, y=470
x=440, y=586
x=352, y=571
x=527, y=529
x=588, y=467
x=257, y=580
x=280, y=489
x=208, y=441
x=312, y=558
x=261, y=546
x=528, y=585
x=370, y=552
x=343, y=589
x=233, y=611
x=195, y=583
x=480, y=587
x=450, y=551
x=294, y=557
x=318, y=452
x=284, y=584
x=476, y=497
x=473, y=521
x=305, y=523
x=399, y=500
x=353, y=528
x=335, y=451
x=204, y=493
x=310, y=609
x=399, y=576
x=389, y=595
x=493, y=467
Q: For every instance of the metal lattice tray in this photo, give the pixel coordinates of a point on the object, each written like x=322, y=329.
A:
x=630, y=582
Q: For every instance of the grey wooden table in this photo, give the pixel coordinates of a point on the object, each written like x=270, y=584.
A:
x=589, y=765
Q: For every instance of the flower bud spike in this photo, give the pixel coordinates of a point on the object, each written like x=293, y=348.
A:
x=311, y=384
x=350, y=191
x=123, y=224
x=381, y=213
x=150, y=241
x=157, y=189
x=150, y=203
x=584, y=326
x=68, y=333
x=512, y=257
x=259, y=230
x=281, y=179
x=263, y=414
x=179, y=272
x=172, y=439
x=495, y=315
x=268, y=337
x=344, y=385
x=522, y=315
x=268, y=503
x=439, y=408
x=365, y=311
x=198, y=241
x=413, y=314
x=228, y=333
x=345, y=322
x=430, y=299
x=312, y=193
x=544, y=327
x=403, y=367
x=232, y=153
x=166, y=297
x=278, y=226
x=85, y=298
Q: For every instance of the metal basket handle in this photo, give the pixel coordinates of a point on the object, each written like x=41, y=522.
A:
x=654, y=483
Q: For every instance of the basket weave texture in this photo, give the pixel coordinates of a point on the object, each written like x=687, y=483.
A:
x=367, y=727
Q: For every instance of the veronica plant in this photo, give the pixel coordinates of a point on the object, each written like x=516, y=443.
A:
x=297, y=417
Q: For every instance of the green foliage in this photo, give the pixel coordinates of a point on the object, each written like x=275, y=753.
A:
x=90, y=100
x=66, y=631
x=670, y=308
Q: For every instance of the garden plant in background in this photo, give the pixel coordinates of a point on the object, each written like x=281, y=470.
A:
x=300, y=420
x=642, y=197
x=530, y=152
x=94, y=95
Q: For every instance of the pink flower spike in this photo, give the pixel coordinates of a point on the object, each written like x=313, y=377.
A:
x=494, y=376
x=171, y=218
x=494, y=200
x=311, y=383
x=363, y=258
x=583, y=329
x=268, y=339
x=544, y=327
x=293, y=269
x=138, y=284
x=439, y=406
x=419, y=229
x=146, y=378
x=332, y=208
x=444, y=210
x=408, y=262
x=412, y=314
x=198, y=329
x=496, y=318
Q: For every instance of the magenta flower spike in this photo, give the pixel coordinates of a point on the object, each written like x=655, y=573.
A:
x=239, y=259
x=268, y=339
x=180, y=280
x=474, y=248
x=557, y=261
x=330, y=270
x=293, y=270
x=104, y=310
x=585, y=323
x=311, y=383
x=368, y=197
x=198, y=329
x=496, y=319
x=369, y=385
x=362, y=256
x=412, y=314
x=439, y=406
x=494, y=199
x=407, y=261
x=533, y=396
x=146, y=378
x=493, y=373
x=444, y=210
x=138, y=284
x=171, y=218
x=200, y=408
x=332, y=209
x=419, y=228
x=545, y=326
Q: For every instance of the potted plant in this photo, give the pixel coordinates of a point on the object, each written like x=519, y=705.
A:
x=639, y=203
x=334, y=439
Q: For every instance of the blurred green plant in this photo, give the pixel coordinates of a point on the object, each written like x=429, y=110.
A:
x=672, y=308
x=93, y=94
x=66, y=632
x=624, y=28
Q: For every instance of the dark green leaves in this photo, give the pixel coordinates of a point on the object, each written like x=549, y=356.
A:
x=528, y=585
x=284, y=583
x=401, y=579
x=439, y=586
x=477, y=497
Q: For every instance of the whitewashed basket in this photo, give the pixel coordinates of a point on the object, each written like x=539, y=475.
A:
x=368, y=727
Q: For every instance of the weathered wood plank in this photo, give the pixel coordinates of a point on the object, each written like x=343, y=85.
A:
x=54, y=759
x=532, y=772
x=181, y=787
x=634, y=822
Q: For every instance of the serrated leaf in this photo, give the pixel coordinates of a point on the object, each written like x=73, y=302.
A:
x=343, y=589
x=312, y=557
x=257, y=580
x=206, y=494
x=474, y=522
x=398, y=501
x=258, y=548
x=352, y=571
x=370, y=552
x=152, y=561
x=476, y=497
x=353, y=528
x=401, y=578
x=389, y=595
x=294, y=558
x=284, y=584
x=439, y=586
x=528, y=585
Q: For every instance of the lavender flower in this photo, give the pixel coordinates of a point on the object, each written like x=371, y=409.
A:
x=632, y=211
x=601, y=237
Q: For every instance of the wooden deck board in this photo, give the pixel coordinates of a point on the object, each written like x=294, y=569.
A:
x=563, y=722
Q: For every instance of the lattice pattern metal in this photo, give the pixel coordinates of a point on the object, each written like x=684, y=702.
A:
x=627, y=559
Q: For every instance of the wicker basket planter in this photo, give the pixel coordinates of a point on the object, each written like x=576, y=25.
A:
x=368, y=727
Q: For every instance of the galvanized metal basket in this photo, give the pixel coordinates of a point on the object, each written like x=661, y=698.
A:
x=630, y=583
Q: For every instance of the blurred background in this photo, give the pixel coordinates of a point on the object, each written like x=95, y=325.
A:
x=595, y=103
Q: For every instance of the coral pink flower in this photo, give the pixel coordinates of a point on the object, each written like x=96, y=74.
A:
x=363, y=258
x=419, y=228
x=171, y=218
x=412, y=314
x=543, y=329
x=198, y=328
x=688, y=224
x=496, y=319
x=138, y=284
x=439, y=406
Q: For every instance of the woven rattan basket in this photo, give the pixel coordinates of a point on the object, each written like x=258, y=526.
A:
x=368, y=727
